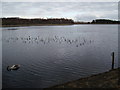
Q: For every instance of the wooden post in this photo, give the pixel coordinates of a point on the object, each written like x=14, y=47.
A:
x=113, y=60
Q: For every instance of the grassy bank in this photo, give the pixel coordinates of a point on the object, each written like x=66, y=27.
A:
x=103, y=80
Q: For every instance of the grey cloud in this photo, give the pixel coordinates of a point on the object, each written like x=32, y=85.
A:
x=75, y=10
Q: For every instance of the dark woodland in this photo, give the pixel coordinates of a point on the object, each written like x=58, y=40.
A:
x=40, y=21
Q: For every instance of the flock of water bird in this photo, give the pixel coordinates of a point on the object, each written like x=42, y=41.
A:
x=56, y=39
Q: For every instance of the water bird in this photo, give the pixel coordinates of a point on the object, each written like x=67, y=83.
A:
x=29, y=38
x=13, y=67
x=84, y=40
x=90, y=41
x=76, y=45
x=24, y=41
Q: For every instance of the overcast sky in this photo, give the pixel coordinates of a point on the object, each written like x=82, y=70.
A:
x=79, y=11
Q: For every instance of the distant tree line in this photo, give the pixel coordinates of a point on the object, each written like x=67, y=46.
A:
x=20, y=21
x=99, y=21
x=104, y=21
x=37, y=21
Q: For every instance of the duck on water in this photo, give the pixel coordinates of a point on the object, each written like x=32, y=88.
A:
x=13, y=67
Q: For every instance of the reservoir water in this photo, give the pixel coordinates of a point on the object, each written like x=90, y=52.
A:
x=51, y=55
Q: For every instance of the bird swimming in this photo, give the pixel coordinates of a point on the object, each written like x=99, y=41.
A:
x=13, y=67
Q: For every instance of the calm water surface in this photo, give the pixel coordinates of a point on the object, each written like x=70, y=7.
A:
x=51, y=55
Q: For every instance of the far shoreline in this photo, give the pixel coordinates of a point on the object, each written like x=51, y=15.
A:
x=52, y=25
x=35, y=25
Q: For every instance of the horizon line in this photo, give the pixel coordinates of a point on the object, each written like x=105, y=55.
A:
x=60, y=18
